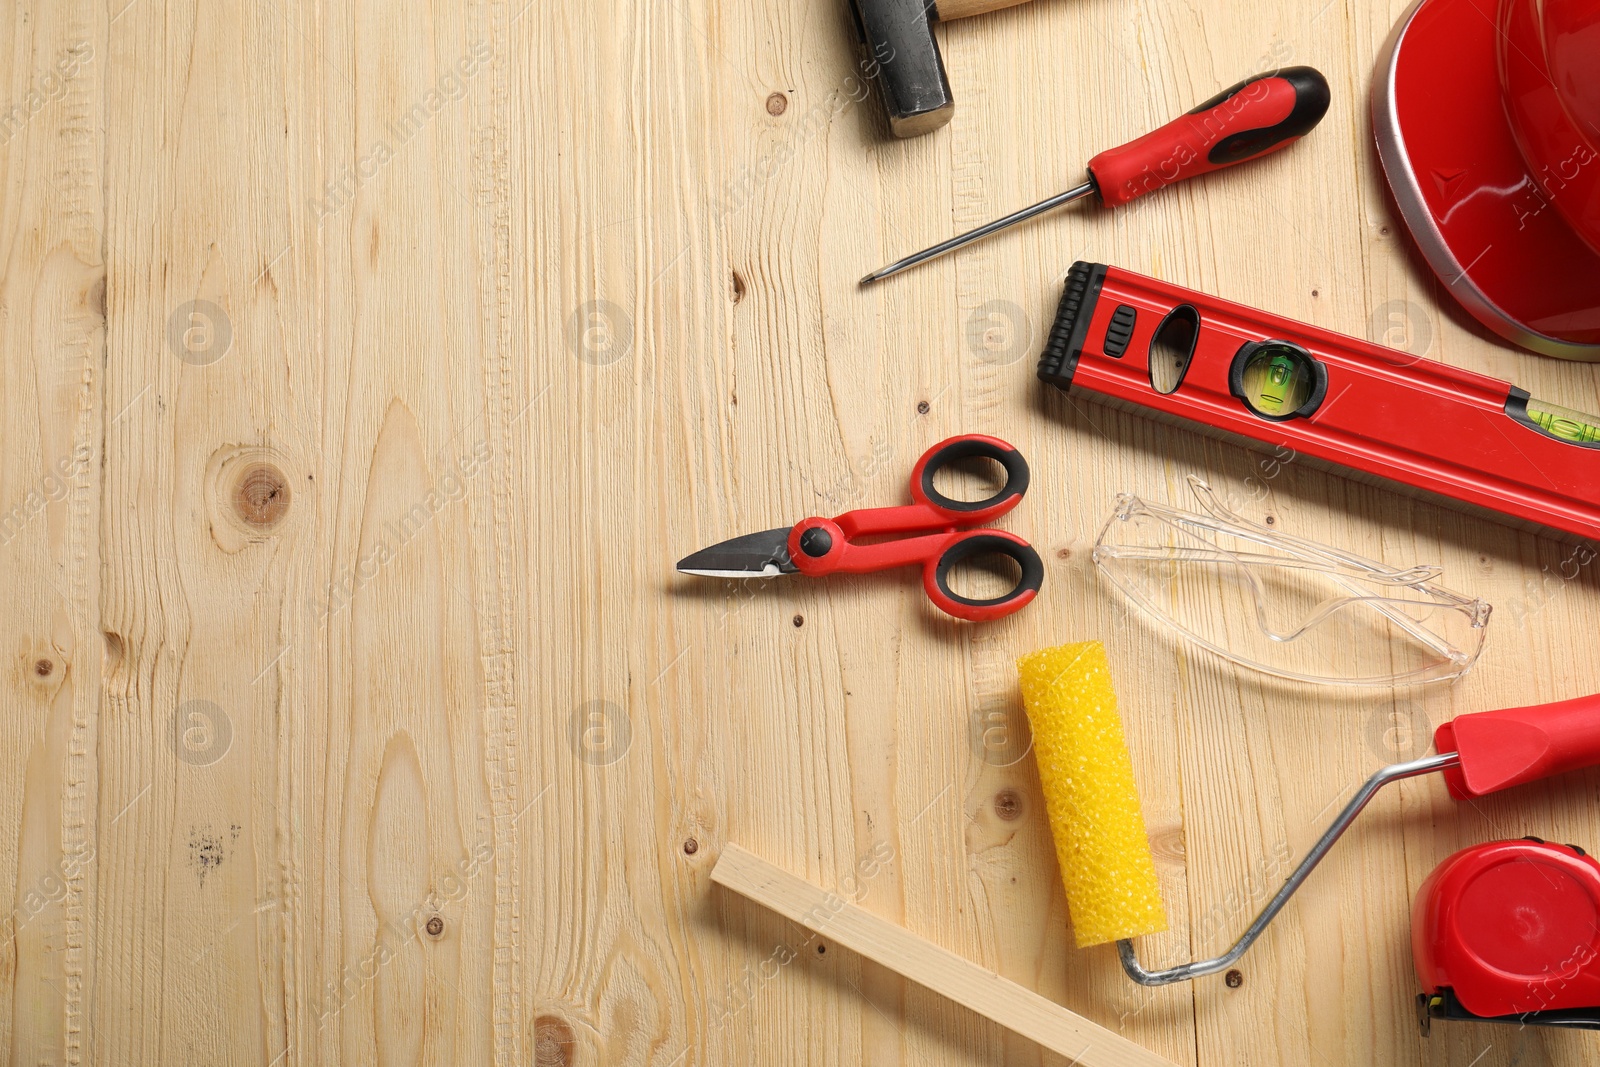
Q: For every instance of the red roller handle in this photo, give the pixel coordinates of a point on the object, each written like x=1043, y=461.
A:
x=1500, y=749
x=1255, y=117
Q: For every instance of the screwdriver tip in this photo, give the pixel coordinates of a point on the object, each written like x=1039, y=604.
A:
x=870, y=278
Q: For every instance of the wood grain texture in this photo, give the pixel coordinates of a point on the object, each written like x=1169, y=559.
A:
x=364, y=369
x=1013, y=1006
x=960, y=9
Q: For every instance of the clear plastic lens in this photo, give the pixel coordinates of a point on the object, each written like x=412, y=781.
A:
x=1287, y=606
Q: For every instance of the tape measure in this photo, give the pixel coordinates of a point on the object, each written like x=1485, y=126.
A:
x=1341, y=402
x=1510, y=932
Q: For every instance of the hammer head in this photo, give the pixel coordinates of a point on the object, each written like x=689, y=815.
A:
x=898, y=35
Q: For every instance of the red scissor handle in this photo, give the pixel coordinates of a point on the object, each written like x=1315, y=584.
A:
x=936, y=572
x=820, y=546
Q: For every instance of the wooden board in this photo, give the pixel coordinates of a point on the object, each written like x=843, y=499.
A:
x=365, y=367
x=1016, y=1007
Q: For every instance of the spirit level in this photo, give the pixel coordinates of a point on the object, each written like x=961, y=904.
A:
x=1361, y=408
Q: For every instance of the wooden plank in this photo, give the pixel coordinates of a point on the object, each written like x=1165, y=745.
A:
x=53, y=303
x=985, y=992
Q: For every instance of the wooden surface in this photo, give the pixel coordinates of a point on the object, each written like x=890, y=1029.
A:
x=1016, y=1007
x=365, y=367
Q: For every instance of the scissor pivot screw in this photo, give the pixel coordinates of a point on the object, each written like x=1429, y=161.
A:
x=816, y=542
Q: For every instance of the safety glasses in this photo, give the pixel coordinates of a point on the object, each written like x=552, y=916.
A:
x=1284, y=605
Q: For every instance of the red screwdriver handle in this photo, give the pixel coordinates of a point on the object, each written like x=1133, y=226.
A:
x=1500, y=749
x=1257, y=116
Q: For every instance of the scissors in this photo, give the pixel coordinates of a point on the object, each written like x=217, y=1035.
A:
x=942, y=538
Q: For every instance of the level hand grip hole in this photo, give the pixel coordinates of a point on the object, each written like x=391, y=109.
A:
x=1171, y=348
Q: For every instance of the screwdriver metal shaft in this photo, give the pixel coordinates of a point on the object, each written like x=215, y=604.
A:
x=980, y=233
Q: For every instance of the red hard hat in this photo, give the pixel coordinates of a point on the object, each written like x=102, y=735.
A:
x=1487, y=118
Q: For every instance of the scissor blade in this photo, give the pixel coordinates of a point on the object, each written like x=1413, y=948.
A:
x=757, y=555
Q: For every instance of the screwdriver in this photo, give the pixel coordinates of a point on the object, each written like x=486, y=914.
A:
x=1258, y=116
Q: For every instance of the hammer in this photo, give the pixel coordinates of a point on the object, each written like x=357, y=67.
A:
x=898, y=35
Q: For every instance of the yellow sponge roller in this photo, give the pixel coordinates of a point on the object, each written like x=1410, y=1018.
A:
x=1089, y=794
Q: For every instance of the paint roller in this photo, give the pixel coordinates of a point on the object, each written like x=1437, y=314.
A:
x=1093, y=806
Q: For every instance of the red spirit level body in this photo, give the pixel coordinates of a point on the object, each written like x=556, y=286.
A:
x=1362, y=408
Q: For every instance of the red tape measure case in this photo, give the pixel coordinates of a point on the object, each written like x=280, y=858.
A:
x=1511, y=927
